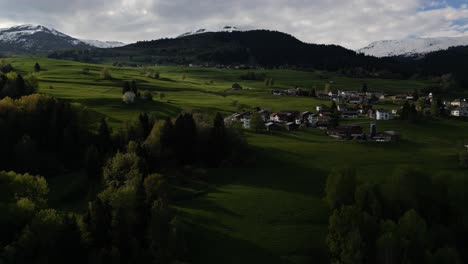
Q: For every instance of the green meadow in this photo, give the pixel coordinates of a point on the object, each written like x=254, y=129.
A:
x=273, y=211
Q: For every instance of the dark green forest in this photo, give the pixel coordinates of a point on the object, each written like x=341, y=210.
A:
x=130, y=220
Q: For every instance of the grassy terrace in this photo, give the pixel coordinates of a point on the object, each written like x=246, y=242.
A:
x=273, y=212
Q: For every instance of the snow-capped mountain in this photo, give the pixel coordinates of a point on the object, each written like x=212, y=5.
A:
x=206, y=30
x=103, y=44
x=37, y=38
x=27, y=38
x=410, y=47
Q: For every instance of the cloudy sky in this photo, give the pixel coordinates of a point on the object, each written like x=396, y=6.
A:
x=350, y=23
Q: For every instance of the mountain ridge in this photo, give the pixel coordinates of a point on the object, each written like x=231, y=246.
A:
x=37, y=38
x=412, y=47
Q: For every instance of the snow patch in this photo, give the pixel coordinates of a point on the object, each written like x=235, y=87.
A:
x=410, y=47
x=206, y=30
x=103, y=44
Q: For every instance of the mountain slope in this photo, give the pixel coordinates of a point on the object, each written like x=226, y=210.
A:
x=103, y=44
x=207, y=30
x=261, y=47
x=37, y=38
x=411, y=47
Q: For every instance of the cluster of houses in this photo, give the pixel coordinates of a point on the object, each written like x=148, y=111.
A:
x=363, y=102
x=293, y=120
x=285, y=120
x=459, y=108
x=347, y=111
x=356, y=132
x=352, y=97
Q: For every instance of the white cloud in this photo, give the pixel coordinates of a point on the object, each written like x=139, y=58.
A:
x=351, y=23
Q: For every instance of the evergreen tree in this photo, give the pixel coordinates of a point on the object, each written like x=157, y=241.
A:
x=126, y=87
x=92, y=163
x=405, y=111
x=334, y=107
x=98, y=222
x=340, y=188
x=313, y=93
x=133, y=87
x=364, y=88
x=37, y=67
x=256, y=123
x=185, y=133
x=145, y=126
x=104, y=141
x=167, y=138
x=218, y=139
x=415, y=95
x=435, y=110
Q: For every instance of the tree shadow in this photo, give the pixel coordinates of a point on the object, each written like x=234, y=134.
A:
x=210, y=246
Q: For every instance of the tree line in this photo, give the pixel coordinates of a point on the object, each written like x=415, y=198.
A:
x=130, y=220
x=412, y=217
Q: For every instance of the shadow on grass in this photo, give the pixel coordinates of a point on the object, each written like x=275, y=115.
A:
x=159, y=108
x=209, y=246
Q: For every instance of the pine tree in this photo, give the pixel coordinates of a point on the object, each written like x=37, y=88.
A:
x=104, y=141
x=435, y=110
x=98, y=221
x=415, y=95
x=334, y=107
x=364, y=88
x=218, y=139
x=133, y=87
x=126, y=87
x=92, y=163
x=145, y=125
x=313, y=93
x=37, y=67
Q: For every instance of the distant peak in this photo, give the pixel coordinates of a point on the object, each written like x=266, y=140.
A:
x=412, y=46
x=226, y=28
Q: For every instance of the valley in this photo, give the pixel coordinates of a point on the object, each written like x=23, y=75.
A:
x=272, y=210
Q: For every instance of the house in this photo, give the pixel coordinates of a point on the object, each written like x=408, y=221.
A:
x=236, y=87
x=264, y=113
x=459, y=111
x=387, y=136
x=350, y=114
x=364, y=108
x=270, y=126
x=322, y=122
x=302, y=118
x=456, y=103
x=246, y=123
x=287, y=116
x=355, y=100
x=342, y=107
x=346, y=132
x=128, y=97
x=322, y=95
x=290, y=126
x=321, y=107
x=382, y=114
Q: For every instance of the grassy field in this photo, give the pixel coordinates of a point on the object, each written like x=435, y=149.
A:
x=272, y=212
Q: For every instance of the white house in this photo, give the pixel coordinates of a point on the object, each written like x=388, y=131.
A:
x=128, y=97
x=246, y=123
x=459, y=112
x=459, y=103
x=355, y=100
x=382, y=115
